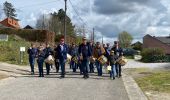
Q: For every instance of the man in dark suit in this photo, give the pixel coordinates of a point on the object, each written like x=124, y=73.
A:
x=62, y=51
x=85, y=53
x=32, y=52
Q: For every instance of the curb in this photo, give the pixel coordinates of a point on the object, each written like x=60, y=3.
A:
x=133, y=90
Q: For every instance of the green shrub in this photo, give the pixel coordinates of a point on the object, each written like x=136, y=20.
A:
x=153, y=55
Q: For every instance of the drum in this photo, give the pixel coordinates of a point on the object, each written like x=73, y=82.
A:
x=49, y=59
x=75, y=59
x=122, y=61
x=102, y=59
x=69, y=57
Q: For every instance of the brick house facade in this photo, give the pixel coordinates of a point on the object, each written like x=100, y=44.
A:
x=157, y=42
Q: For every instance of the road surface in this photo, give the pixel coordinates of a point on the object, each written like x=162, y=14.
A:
x=73, y=87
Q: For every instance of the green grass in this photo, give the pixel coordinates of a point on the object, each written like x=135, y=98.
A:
x=10, y=50
x=156, y=81
x=129, y=57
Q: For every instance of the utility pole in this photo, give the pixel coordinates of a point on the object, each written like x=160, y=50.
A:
x=93, y=35
x=83, y=31
x=65, y=21
x=102, y=39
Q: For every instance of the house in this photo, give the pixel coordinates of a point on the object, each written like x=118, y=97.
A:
x=28, y=27
x=157, y=42
x=137, y=45
x=11, y=23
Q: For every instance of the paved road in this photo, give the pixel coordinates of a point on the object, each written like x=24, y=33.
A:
x=136, y=64
x=73, y=87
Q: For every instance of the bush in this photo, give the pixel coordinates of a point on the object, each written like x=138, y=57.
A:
x=154, y=55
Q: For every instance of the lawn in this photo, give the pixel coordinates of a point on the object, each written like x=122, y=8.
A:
x=157, y=81
x=10, y=50
x=151, y=79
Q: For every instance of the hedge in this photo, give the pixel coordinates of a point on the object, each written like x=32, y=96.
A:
x=153, y=55
x=30, y=35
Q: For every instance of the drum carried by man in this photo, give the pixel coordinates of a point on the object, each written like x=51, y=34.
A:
x=98, y=53
x=119, y=52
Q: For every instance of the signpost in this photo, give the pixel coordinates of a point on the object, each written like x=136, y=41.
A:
x=22, y=50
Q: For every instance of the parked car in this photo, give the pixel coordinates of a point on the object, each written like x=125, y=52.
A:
x=130, y=52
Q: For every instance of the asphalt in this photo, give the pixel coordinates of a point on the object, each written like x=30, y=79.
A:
x=23, y=86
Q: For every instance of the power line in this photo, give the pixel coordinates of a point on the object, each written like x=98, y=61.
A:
x=38, y=4
x=89, y=29
x=75, y=10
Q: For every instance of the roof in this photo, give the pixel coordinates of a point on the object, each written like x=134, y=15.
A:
x=165, y=40
x=137, y=43
x=10, y=22
x=28, y=27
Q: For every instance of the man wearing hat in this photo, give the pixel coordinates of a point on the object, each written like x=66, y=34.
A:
x=62, y=51
x=98, y=52
x=85, y=53
x=117, y=51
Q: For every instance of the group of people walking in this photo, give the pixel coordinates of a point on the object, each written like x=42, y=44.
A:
x=84, y=57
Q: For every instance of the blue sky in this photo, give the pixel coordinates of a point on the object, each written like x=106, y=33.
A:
x=109, y=17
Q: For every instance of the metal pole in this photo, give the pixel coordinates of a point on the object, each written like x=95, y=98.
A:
x=102, y=39
x=93, y=34
x=65, y=20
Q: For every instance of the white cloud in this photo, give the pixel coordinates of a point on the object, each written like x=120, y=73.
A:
x=138, y=17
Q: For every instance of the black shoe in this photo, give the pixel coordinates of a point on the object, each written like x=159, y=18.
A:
x=113, y=78
x=62, y=76
x=87, y=76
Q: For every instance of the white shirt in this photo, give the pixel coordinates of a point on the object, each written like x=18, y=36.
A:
x=62, y=47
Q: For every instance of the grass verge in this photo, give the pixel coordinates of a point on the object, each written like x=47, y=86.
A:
x=157, y=81
x=151, y=79
x=10, y=50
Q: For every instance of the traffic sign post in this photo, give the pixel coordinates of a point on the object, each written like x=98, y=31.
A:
x=22, y=50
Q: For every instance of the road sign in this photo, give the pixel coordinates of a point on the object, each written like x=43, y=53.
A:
x=22, y=49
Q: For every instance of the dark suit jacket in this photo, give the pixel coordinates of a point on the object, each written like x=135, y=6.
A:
x=62, y=55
